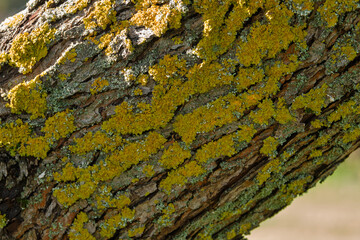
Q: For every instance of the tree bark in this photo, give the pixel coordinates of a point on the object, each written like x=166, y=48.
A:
x=171, y=120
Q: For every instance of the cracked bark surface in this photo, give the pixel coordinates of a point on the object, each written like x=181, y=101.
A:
x=229, y=199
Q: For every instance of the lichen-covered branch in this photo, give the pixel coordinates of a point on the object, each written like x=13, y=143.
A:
x=171, y=119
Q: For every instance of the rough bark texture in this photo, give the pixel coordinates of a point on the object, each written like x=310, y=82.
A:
x=171, y=119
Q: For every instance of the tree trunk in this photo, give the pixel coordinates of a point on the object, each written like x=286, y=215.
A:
x=171, y=119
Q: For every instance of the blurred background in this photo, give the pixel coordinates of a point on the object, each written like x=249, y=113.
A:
x=329, y=211
x=10, y=7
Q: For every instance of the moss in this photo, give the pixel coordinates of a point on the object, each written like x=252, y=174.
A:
x=28, y=48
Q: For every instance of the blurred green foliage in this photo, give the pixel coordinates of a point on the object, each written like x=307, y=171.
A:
x=10, y=7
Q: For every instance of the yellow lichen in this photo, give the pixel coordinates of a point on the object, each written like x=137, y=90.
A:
x=158, y=18
x=269, y=146
x=342, y=111
x=136, y=232
x=102, y=15
x=74, y=7
x=63, y=77
x=265, y=113
x=98, y=85
x=59, y=126
x=98, y=141
x=330, y=10
x=351, y=135
x=77, y=230
x=314, y=99
x=115, y=222
x=69, y=55
x=180, y=175
x=219, y=148
x=3, y=221
x=14, y=20
x=28, y=97
x=28, y=48
x=246, y=133
x=282, y=114
x=315, y=153
x=265, y=173
x=204, y=119
x=138, y=92
x=148, y=170
x=174, y=156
